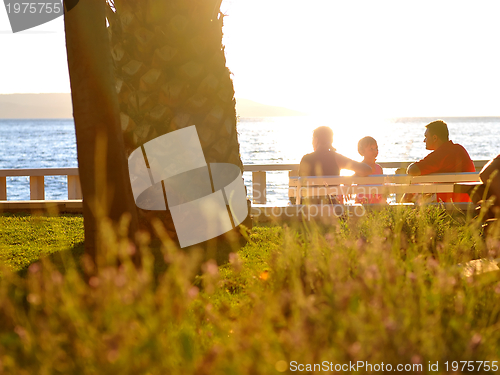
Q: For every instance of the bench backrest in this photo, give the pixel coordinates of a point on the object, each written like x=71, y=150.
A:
x=376, y=184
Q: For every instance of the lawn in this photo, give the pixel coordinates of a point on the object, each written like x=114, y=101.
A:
x=25, y=238
x=381, y=290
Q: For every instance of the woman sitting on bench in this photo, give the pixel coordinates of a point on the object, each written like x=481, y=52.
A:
x=325, y=161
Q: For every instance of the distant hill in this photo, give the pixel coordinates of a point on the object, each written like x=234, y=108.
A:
x=59, y=106
x=36, y=106
x=249, y=108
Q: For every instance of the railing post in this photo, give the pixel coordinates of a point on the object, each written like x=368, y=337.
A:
x=3, y=188
x=293, y=173
x=259, y=187
x=74, y=187
x=400, y=170
x=37, y=188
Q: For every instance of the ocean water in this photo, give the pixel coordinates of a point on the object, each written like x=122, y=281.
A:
x=37, y=144
x=270, y=140
x=286, y=140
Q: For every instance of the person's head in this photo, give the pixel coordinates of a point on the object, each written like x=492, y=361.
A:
x=368, y=148
x=436, y=134
x=323, y=138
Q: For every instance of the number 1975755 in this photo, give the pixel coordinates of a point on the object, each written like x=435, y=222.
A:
x=472, y=366
x=34, y=8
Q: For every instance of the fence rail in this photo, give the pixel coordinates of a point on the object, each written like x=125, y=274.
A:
x=37, y=181
x=259, y=178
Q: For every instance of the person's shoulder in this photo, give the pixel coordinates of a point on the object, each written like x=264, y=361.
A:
x=434, y=154
x=308, y=156
x=456, y=145
x=339, y=157
x=459, y=148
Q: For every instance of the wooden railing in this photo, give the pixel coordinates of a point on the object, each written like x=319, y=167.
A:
x=259, y=178
x=37, y=181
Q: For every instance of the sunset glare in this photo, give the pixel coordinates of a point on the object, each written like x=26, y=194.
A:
x=363, y=59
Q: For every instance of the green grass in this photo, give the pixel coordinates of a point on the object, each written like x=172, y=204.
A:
x=25, y=238
x=381, y=288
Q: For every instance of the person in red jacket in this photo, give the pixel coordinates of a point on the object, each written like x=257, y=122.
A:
x=446, y=157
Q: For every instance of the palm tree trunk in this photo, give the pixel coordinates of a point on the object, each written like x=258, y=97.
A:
x=171, y=74
x=102, y=161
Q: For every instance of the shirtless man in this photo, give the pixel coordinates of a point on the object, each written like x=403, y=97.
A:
x=325, y=161
x=446, y=157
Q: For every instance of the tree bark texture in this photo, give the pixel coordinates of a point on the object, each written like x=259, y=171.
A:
x=102, y=161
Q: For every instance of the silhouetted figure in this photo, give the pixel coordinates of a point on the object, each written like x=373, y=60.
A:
x=325, y=161
x=490, y=174
x=490, y=188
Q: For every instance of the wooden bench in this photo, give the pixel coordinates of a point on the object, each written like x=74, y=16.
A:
x=311, y=187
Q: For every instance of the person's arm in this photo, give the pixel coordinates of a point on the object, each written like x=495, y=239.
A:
x=304, y=168
x=432, y=163
x=361, y=169
x=413, y=170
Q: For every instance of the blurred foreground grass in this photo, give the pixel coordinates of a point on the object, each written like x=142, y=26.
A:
x=381, y=288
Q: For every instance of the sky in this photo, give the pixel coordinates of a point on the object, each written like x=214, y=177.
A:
x=323, y=57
